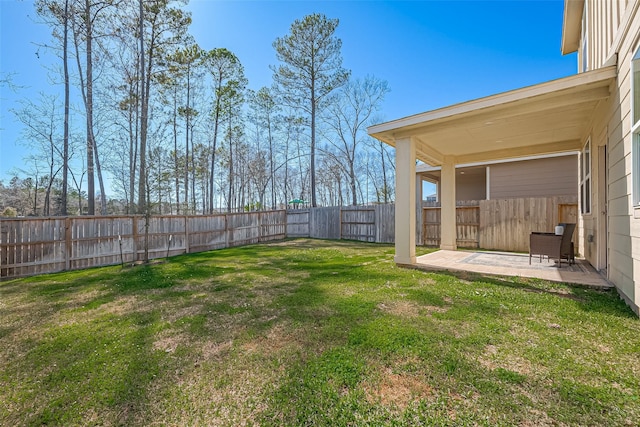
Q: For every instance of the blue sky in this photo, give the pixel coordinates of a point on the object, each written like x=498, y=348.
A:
x=432, y=53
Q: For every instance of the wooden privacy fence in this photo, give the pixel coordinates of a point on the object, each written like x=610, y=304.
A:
x=467, y=225
x=502, y=224
x=31, y=246
x=506, y=224
x=42, y=245
x=365, y=223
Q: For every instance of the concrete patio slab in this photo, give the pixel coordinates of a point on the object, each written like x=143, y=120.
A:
x=512, y=264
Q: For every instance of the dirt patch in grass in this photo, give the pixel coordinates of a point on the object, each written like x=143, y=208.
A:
x=190, y=286
x=277, y=339
x=251, y=278
x=495, y=357
x=400, y=308
x=298, y=243
x=224, y=323
x=182, y=312
x=397, y=390
x=404, y=308
x=126, y=305
x=428, y=281
x=168, y=341
x=220, y=391
x=82, y=298
x=212, y=350
x=434, y=309
x=538, y=418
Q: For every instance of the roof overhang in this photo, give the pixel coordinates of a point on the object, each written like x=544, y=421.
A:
x=547, y=118
x=572, y=25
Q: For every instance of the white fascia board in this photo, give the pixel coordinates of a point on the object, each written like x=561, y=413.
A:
x=427, y=168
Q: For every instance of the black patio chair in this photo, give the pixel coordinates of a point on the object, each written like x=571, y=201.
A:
x=553, y=246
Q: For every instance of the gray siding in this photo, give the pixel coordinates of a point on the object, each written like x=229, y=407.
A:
x=555, y=176
x=471, y=186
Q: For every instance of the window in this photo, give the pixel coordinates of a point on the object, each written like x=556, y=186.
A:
x=635, y=87
x=585, y=179
x=635, y=126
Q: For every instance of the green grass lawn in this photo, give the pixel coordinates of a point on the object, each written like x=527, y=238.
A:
x=314, y=333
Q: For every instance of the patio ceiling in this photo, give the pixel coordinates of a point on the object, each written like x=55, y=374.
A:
x=547, y=118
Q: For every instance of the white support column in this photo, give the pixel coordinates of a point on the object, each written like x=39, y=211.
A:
x=405, y=202
x=488, y=196
x=448, y=205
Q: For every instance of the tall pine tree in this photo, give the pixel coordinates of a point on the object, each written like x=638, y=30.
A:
x=310, y=69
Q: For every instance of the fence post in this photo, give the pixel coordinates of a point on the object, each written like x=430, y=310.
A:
x=3, y=232
x=186, y=235
x=376, y=224
x=226, y=230
x=134, y=230
x=419, y=221
x=67, y=243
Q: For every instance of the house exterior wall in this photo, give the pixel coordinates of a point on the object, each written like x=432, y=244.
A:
x=603, y=20
x=589, y=222
x=554, y=176
x=624, y=221
x=611, y=127
x=541, y=177
x=471, y=186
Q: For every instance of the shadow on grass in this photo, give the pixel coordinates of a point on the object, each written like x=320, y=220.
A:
x=602, y=301
x=81, y=370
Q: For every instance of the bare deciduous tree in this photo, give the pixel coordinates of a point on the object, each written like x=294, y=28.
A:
x=349, y=113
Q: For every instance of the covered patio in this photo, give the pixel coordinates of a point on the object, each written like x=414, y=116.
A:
x=548, y=118
x=510, y=264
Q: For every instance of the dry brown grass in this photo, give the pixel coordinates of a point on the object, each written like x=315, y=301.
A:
x=397, y=390
x=495, y=357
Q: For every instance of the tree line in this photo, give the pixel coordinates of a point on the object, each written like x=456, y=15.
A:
x=176, y=129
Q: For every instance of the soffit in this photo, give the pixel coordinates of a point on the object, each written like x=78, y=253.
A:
x=547, y=118
x=473, y=172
